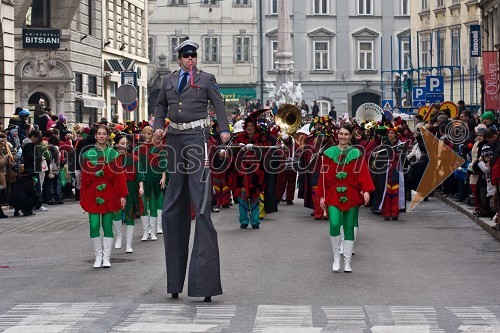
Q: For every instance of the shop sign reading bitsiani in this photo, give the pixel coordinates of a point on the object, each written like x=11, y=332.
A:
x=41, y=38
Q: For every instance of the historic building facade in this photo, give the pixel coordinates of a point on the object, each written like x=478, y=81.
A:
x=228, y=37
x=344, y=52
x=7, y=98
x=440, y=46
x=125, y=59
x=59, y=57
x=341, y=49
x=71, y=54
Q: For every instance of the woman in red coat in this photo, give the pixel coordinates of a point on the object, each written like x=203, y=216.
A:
x=344, y=184
x=102, y=193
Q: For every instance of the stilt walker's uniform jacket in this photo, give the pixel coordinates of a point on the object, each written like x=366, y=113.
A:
x=103, y=181
x=345, y=176
x=187, y=111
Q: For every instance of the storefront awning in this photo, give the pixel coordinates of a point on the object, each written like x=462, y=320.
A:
x=93, y=102
x=238, y=93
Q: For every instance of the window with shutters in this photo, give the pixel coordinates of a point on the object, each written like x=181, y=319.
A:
x=424, y=50
x=78, y=82
x=321, y=55
x=321, y=7
x=365, y=7
x=365, y=55
x=210, y=49
x=405, y=7
x=242, y=48
x=455, y=46
x=274, y=7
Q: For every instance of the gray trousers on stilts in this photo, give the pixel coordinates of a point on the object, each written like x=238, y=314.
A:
x=185, y=187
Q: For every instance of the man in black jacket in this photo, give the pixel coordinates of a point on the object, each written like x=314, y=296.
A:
x=32, y=160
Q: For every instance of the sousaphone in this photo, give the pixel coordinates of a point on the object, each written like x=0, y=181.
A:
x=369, y=112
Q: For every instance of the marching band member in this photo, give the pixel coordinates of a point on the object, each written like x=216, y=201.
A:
x=247, y=176
x=394, y=196
x=135, y=186
x=287, y=178
x=319, y=140
x=218, y=172
x=344, y=184
x=103, y=192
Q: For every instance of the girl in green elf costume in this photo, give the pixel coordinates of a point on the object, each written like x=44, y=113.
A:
x=153, y=165
x=344, y=184
x=135, y=179
x=103, y=192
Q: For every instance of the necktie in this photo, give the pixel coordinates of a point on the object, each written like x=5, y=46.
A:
x=184, y=81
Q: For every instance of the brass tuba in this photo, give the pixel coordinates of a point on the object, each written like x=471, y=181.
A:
x=288, y=118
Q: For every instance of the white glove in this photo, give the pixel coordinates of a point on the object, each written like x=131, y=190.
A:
x=285, y=136
x=249, y=145
x=242, y=145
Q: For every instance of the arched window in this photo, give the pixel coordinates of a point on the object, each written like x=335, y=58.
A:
x=324, y=107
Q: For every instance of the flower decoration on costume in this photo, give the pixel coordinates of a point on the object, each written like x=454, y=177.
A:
x=341, y=175
x=341, y=189
x=101, y=187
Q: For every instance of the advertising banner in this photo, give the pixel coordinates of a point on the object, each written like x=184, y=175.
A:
x=491, y=80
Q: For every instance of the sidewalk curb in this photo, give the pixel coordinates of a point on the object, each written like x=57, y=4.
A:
x=467, y=210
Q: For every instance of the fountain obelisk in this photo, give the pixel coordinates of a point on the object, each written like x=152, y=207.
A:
x=284, y=62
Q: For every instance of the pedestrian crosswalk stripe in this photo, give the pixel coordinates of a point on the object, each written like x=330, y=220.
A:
x=280, y=316
x=86, y=316
x=345, y=319
x=474, y=315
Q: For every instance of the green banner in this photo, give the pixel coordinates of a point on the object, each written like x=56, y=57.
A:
x=238, y=93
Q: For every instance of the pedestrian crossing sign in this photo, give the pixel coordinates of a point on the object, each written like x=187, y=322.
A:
x=387, y=104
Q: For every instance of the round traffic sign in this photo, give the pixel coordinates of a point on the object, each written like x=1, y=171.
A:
x=126, y=93
x=130, y=107
x=423, y=110
x=452, y=107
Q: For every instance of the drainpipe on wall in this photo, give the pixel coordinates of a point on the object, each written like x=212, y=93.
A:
x=261, y=52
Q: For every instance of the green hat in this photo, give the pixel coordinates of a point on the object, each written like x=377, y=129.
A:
x=488, y=115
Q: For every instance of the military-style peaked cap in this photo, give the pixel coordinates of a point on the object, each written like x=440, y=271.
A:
x=187, y=47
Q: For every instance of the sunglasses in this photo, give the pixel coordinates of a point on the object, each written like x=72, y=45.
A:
x=192, y=55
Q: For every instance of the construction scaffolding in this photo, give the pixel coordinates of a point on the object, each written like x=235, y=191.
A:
x=454, y=74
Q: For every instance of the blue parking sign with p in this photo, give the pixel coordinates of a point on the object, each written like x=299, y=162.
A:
x=418, y=94
x=434, y=84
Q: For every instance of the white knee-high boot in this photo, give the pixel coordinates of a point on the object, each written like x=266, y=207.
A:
x=335, y=241
x=159, y=227
x=130, y=236
x=152, y=228
x=145, y=227
x=348, y=244
x=107, y=245
x=341, y=239
x=117, y=226
x=97, y=243
x=355, y=238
